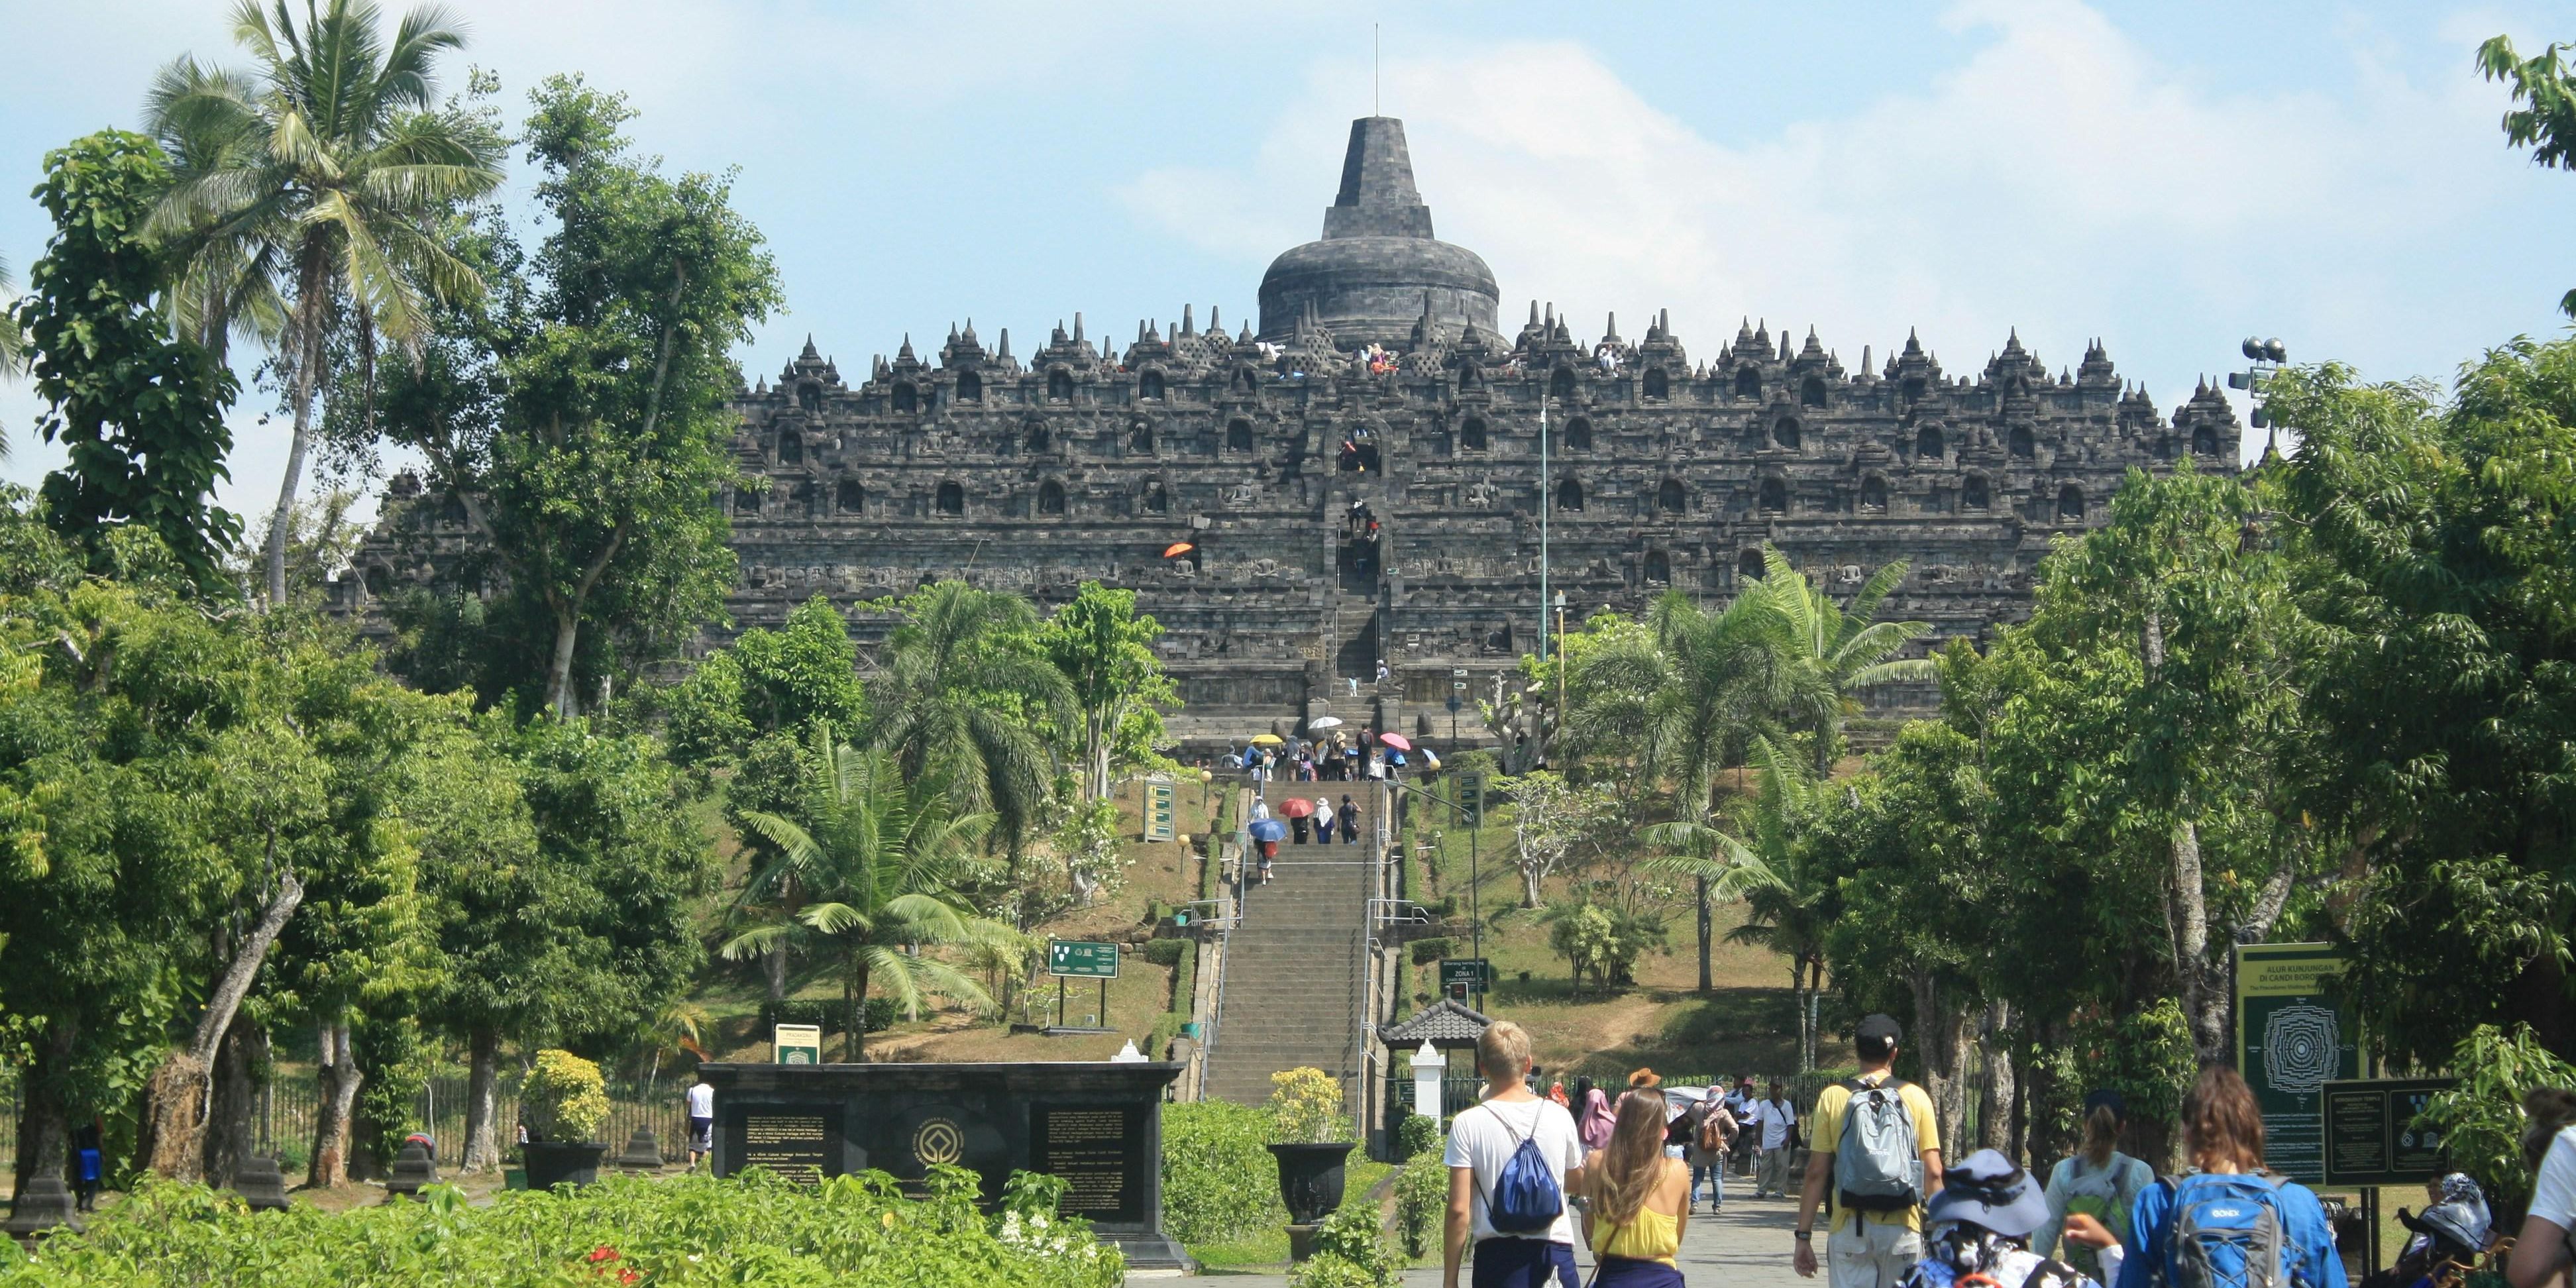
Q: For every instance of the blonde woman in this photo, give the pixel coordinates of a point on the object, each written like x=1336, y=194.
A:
x=1639, y=1200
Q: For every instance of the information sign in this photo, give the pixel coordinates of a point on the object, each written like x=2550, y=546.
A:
x=1158, y=812
x=1082, y=958
x=1460, y=975
x=2291, y=1040
x=1468, y=794
x=2372, y=1136
x=797, y=1043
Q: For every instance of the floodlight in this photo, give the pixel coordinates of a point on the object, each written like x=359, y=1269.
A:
x=2273, y=351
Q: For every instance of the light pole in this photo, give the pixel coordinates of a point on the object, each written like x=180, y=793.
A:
x=1560, y=663
x=1546, y=502
x=2264, y=359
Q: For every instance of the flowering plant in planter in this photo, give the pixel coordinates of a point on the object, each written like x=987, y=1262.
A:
x=565, y=1098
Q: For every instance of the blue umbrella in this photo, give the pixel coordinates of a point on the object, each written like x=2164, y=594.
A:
x=1268, y=829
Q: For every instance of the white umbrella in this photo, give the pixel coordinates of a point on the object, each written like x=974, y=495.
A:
x=1679, y=1100
x=1325, y=722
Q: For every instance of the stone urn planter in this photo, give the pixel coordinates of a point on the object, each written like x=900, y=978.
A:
x=552, y=1163
x=1310, y=1179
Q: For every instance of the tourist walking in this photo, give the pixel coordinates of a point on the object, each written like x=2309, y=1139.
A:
x=1710, y=1132
x=1297, y=829
x=1507, y=1201
x=1350, y=817
x=2099, y=1183
x=1775, y=1127
x=1595, y=1118
x=89, y=1164
x=1981, y=1224
x=701, y=1106
x=1745, y=1101
x=1323, y=821
x=2232, y=1216
x=1884, y=1152
x=1637, y=1202
x=2548, y=1241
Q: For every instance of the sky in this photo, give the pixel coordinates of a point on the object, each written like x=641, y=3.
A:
x=2168, y=177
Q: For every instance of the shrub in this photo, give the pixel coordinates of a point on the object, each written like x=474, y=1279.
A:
x=1427, y=951
x=1306, y=1105
x=2481, y=1119
x=685, y=1232
x=564, y=1097
x=1418, y=1132
x=1219, y=1182
x=1422, y=1199
x=1166, y=952
x=1350, y=1252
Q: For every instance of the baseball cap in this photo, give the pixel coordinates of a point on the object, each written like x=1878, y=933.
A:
x=1880, y=1027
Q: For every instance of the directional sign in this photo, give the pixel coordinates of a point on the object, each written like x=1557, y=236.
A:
x=1469, y=795
x=1158, y=812
x=1082, y=958
x=2372, y=1136
x=1465, y=972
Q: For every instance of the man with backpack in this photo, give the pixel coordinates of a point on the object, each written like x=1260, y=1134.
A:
x=1512, y=1159
x=1874, y=1160
x=1707, y=1130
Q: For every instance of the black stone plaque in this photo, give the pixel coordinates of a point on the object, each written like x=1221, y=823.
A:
x=799, y=1142
x=1099, y=1150
x=2371, y=1136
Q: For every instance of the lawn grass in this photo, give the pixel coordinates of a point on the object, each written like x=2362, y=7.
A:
x=1270, y=1249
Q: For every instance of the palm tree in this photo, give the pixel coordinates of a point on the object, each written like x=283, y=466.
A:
x=868, y=879
x=329, y=173
x=1840, y=650
x=963, y=682
x=193, y=109
x=1790, y=910
x=13, y=342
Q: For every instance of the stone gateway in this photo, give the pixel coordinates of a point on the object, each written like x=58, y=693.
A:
x=1360, y=478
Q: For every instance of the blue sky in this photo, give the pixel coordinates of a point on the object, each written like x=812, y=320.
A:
x=2168, y=177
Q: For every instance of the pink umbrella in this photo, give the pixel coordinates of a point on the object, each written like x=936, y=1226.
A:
x=1395, y=740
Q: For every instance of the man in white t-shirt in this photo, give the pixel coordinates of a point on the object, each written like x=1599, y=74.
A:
x=2546, y=1248
x=1482, y=1139
x=1773, y=1117
x=702, y=1121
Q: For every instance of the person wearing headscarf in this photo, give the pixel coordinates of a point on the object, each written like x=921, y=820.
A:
x=1977, y=1230
x=1593, y=1119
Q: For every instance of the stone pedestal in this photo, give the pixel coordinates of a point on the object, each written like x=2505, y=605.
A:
x=413, y=1168
x=1430, y=1067
x=40, y=1209
x=1301, y=1241
x=260, y=1184
x=643, y=1152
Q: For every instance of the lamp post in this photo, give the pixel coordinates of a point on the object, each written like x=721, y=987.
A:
x=1546, y=502
x=2264, y=359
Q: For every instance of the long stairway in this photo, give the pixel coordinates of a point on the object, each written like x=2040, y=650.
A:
x=1296, y=961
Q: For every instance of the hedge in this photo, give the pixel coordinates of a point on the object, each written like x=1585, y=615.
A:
x=1220, y=1184
x=688, y=1231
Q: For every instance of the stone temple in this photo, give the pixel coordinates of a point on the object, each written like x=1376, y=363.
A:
x=1379, y=388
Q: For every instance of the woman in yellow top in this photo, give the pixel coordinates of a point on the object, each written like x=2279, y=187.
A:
x=1637, y=1200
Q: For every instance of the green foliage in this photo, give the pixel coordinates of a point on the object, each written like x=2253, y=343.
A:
x=1422, y=1192
x=1350, y=1252
x=1167, y=952
x=1600, y=941
x=1219, y=1180
x=1418, y=1132
x=140, y=414
x=2547, y=125
x=392, y=1050
x=690, y=1231
x=1427, y=951
x=564, y=1096
x=2481, y=1119
x=1306, y=1107
x=1105, y=650
x=2144, y=1054
x=965, y=684
x=768, y=682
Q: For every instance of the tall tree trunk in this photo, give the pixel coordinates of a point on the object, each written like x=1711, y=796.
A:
x=2205, y=999
x=308, y=307
x=482, y=1098
x=232, y=1106
x=177, y=1130
x=856, y=1046
x=1529, y=887
x=1706, y=981
x=45, y=1125
x=1995, y=1095
x=338, y=1079
x=559, y=692
x=773, y=962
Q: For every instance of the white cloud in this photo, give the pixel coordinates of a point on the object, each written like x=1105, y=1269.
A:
x=2060, y=178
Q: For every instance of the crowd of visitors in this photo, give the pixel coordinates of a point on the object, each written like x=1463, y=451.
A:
x=1339, y=755
x=1527, y=1170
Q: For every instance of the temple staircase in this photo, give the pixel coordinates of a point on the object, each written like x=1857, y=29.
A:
x=1296, y=961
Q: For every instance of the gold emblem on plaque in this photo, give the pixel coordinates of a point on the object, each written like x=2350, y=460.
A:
x=938, y=1141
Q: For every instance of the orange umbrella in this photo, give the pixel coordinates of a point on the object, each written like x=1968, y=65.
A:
x=1178, y=548
x=1296, y=807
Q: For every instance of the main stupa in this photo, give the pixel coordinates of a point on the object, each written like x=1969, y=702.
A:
x=1377, y=263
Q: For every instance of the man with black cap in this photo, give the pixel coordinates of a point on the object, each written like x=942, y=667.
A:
x=1981, y=1224
x=1874, y=1158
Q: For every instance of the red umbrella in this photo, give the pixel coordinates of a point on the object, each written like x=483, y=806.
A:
x=1296, y=807
x=1178, y=548
x=1395, y=740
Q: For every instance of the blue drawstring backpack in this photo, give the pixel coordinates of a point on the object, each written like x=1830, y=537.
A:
x=1527, y=1198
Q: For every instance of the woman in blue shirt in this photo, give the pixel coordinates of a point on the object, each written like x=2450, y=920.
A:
x=2224, y=1130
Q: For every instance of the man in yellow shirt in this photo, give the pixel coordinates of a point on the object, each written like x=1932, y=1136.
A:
x=1871, y=1244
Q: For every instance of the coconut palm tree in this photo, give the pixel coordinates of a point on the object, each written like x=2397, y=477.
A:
x=331, y=171
x=193, y=110
x=1791, y=909
x=867, y=880
x=13, y=341
x=963, y=682
x=1840, y=650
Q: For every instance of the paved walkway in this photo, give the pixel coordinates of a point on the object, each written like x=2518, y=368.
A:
x=1746, y=1246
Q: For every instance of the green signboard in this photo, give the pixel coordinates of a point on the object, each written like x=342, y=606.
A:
x=2291, y=1040
x=1467, y=795
x=1460, y=975
x=1158, y=813
x=1082, y=958
x=2372, y=1136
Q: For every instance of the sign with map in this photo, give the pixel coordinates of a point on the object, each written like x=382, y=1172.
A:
x=2291, y=1040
